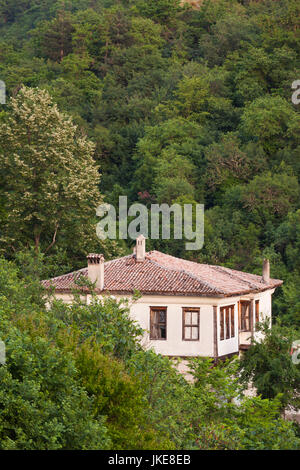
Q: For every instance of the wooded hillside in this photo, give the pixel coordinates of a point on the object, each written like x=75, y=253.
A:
x=176, y=105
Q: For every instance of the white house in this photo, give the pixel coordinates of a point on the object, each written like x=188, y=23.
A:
x=187, y=309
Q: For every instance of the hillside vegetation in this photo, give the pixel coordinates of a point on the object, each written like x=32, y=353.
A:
x=162, y=102
x=75, y=377
x=174, y=104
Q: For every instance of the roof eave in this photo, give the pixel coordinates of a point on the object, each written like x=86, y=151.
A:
x=167, y=293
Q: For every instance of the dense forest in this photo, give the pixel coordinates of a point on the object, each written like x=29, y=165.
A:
x=161, y=101
x=181, y=105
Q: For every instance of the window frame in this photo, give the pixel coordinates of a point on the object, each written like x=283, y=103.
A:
x=248, y=303
x=227, y=322
x=154, y=309
x=222, y=324
x=257, y=319
x=184, y=325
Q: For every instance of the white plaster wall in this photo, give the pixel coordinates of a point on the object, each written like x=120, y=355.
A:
x=174, y=345
x=265, y=309
x=68, y=298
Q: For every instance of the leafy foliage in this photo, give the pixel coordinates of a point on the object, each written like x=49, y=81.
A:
x=171, y=104
x=182, y=105
x=71, y=382
x=269, y=366
x=43, y=404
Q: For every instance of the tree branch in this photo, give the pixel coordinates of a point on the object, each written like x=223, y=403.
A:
x=53, y=239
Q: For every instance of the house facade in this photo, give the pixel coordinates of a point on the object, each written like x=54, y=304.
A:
x=187, y=309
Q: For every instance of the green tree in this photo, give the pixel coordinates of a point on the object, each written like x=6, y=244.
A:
x=272, y=120
x=267, y=197
x=228, y=162
x=118, y=396
x=162, y=11
x=50, y=182
x=269, y=366
x=159, y=154
x=233, y=421
x=107, y=321
x=43, y=404
x=53, y=39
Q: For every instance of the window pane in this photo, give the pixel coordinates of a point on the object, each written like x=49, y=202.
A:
x=162, y=331
x=227, y=324
x=187, y=332
x=256, y=311
x=188, y=318
x=195, y=318
x=247, y=318
x=239, y=315
x=232, y=322
x=242, y=316
x=153, y=325
x=195, y=332
x=221, y=323
x=162, y=316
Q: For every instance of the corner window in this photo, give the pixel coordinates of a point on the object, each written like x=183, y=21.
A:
x=257, y=312
x=244, y=315
x=227, y=325
x=158, y=323
x=190, y=324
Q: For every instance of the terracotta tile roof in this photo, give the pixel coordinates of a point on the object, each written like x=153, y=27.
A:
x=165, y=274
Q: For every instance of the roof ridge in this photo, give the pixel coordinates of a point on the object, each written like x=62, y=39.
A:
x=193, y=276
x=224, y=269
x=183, y=259
x=232, y=274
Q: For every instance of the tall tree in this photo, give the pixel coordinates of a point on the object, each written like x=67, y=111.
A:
x=50, y=179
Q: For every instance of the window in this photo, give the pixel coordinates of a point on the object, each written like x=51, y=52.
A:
x=158, y=322
x=227, y=325
x=190, y=324
x=222, y=323
x=245, y=315
x=256, y=311
x=232, y=334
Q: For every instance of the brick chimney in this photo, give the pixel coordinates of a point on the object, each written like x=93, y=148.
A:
x=140, y=248
x=266, y=271
x=96, y=270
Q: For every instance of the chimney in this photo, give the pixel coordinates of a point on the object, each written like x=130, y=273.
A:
x=96, y=270
x=140, y=248
x=266, y=271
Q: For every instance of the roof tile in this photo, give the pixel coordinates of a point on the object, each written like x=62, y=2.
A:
x=164, y=274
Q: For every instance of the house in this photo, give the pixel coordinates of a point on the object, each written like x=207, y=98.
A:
x=187, y=309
